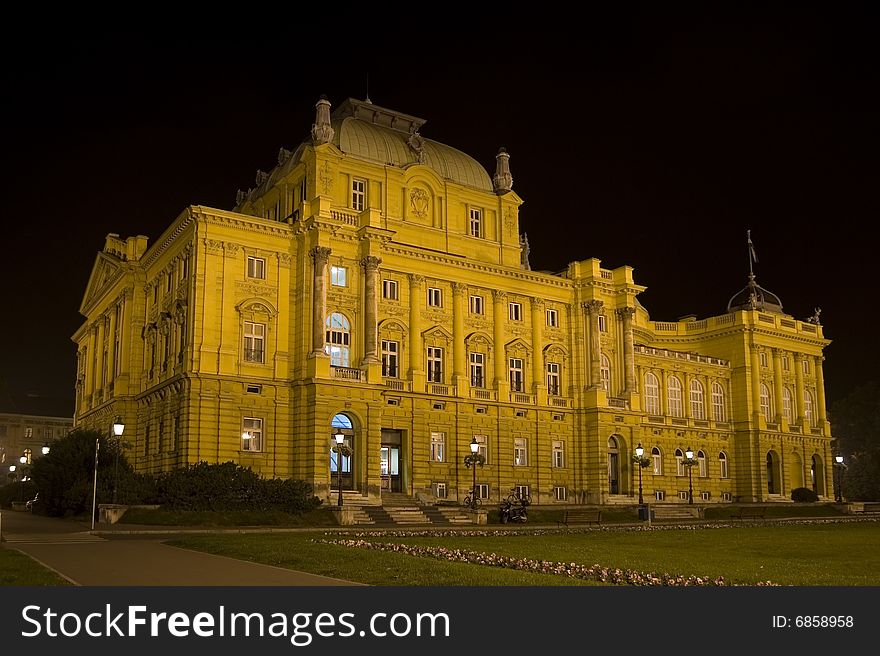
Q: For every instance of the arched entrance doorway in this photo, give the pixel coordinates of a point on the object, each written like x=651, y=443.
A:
x=613, y=466
x=341, y=465
x=817, y=473
x=774, y=475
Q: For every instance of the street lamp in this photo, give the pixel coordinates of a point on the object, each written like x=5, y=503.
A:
x=46, y=449
x=341, y=451
x=839, y=460
x=472, y=460
x=642, y=462
x=22, y=476
x=95, y=481
x=689, y=462
x=118, y=428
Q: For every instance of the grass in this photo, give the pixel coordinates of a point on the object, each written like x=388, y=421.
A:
x=319, y=517
x=845, y=554
x=18, y=569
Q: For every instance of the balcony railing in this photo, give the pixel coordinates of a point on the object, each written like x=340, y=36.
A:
x=560, y=402
x=398, y=385
x=482, y=394
x=440, y=390
x=617, y=403
x=519, y=397
x=346, y=373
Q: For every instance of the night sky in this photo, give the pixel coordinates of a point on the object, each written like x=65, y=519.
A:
x=653, y=140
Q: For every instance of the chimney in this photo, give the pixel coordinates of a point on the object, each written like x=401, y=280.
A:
x=321, y=131
x=502, y=181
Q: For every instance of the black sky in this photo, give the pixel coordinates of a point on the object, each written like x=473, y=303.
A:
x=654, y=140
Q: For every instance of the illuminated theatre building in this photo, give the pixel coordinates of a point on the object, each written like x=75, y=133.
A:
x=375, y=283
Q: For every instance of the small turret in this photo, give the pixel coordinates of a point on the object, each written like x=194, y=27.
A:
x=503, y=181
x=321, y=131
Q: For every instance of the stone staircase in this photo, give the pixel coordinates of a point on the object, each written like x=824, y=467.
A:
x=397, y=509
x=675, y=512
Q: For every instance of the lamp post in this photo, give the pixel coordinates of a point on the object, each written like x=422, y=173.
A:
x=473, y=459
x=838, y=459
x=12, y=475
x=341, y=451
x=642, y=462
x=118, y=428
x=95, y=481
x=689, y=462
x=22, y=476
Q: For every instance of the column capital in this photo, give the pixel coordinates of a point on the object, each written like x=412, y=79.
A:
x=626, y=313
x=537, y=302
x=593, y=307
x=370, y=263
x=416, y=279
x=499, y=295
x=459, y=288
x=754, y=348
x=320, y=255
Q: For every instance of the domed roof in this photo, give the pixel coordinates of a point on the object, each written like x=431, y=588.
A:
x=755, y=297
x=383, y=136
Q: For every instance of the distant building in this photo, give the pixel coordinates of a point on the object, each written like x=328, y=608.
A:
x=29, y=422
x=375, y=282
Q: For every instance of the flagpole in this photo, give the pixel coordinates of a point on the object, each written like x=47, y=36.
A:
x=749, y=239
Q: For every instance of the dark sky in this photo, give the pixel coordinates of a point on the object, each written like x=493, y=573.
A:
x=654, y=140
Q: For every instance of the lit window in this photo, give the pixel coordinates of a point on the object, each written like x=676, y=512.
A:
x=722, y=460
x=702, y=465
x=514, y=311
x=603, y=327
x=438, y=447
x=552, y=318
x=435, y=297
x=766, y=408
x=478, y=371
x=605, y=373
x=256, y=267
x=657, y=459
x=786, y=404
x=435, y=364
x=679, y=463
x=389, y=289
x=553, y=386
x=516, y=374
x=698, y=406
x=673, y=388
x=338, y=340
x=358, y=194
x=652, y=394
x=254, y=339
x=482, y=441
x=520, y=451
x=390, y=351
x=718, y=402
x=251, y=434
x=476, y=222
x=338, y=276
x=558, y=454
x=476, y=304
x=808, y=407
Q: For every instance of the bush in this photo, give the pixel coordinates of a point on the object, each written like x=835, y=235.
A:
x=16, y=492
x=228, y=486
x=804, y=495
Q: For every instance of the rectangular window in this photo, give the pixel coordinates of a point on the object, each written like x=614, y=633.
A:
x=256, y=267
x=168, y=282
x=389, y=289
x=679, y=465
x=438, y=447
x=553, y=388
x=520, y=451
x=560, y=493
x=389, y=358
x=522, y=491
x=552, y=319
x=184, y=267
x=514, y=311
x=476, y=222
x=516, y=374
x=659, y=495
x=254, y=337
x=302, y=190
x=482, y=441
x=724, y=470
x=703, y=466
x=705, y=496
x=435, y=364
x=478, y=369
x=558, y=454
x=726, y=496
x=435, y=297
x=338, y=276
x=786, y=365
x=482, y=490
x=806, y=365
x=603, y=327
x=358, y=194
x=475, y=305
x=251, y=434
x=440, y=490
x=683, y=495
x=763, y=357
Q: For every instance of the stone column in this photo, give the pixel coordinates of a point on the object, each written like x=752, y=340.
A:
x=111, y=345
x=416, y=357
x=777, y=380
x=686, y=394
x=371, y=308
x=799, y=394
x=499, y=319
x=820, y=392
x=756, y=380
x=626, y=314
x=320, y=256
x=99, y=356
x=92, y=349
x=459, y=294
x=124, y=339
x=593, y=309
x=538, y=381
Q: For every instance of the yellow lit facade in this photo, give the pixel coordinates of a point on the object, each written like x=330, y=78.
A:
x=375, y=283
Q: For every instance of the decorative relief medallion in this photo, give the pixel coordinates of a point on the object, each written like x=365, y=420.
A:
x=419, y=202
x=231, y=250
x=417, y=143
x=392, y=310
x=326, y=177
x=510, y=219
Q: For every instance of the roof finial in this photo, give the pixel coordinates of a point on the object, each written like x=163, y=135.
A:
x=752, y=255
x=503, y=181
x=322, y=132
x=367, y=99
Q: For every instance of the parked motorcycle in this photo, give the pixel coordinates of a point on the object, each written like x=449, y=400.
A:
x=511, y=512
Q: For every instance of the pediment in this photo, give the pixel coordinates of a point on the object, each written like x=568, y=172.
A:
x=105, y=272
x=437, y=332
x=518, y=344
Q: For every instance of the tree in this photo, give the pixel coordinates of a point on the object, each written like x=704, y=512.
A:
x=855, y=423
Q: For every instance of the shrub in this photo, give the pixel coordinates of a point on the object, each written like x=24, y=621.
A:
x=804, y=495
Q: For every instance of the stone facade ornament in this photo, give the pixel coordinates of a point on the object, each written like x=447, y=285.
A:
x=240, y=197
x=283, y=155
x=524, y=252
x=262, y=176
x=502, y=181
x=321, y=131
x=326, y=176
x=418, y=201
x=370, y=263
x=417, y=144
x=510, y=219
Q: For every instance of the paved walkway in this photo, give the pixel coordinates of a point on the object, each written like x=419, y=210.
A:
x=70, y=549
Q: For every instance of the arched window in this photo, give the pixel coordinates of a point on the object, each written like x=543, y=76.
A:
x=652, y=394
x=718, y=413
x=338, y=340
x=341, y=424
x=657, y=457
x=766, y=408
x=808, y=407
x=679, y=464
x=28, y=454
x=786, y=404
x=698, y=404
x=605, y=372
x=722, y=461
x=702, y=464
x=674, y=390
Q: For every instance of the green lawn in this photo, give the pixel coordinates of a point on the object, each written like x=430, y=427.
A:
x=801, y=554
x=18, y=569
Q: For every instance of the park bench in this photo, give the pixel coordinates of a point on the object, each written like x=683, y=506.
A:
x=573, y=517
x=749, y=513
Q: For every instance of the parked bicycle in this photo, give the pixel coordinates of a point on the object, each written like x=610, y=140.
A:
x=472, y=501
